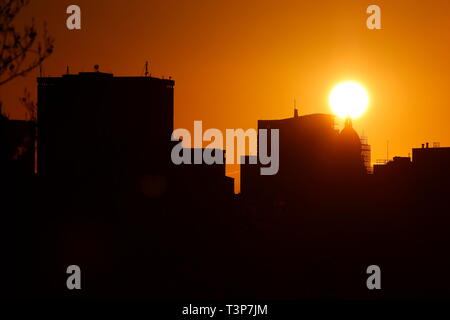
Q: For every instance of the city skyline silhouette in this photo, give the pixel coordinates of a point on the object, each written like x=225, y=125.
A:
x=251, y=60
x=107, y=196
x=348, y=182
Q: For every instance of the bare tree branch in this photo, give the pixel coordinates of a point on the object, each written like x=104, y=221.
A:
x=20, y=52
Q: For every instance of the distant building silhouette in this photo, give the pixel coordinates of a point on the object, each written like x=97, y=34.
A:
x=432, y=162
x=314, y=156
x=430, y=166
x=398, y=168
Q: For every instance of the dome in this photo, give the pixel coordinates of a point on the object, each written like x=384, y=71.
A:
x=348, y=136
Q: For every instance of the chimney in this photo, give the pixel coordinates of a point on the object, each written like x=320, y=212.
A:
x=428, y=145
x=423, y=146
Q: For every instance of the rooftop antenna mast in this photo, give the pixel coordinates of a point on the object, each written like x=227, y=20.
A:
x=146, y=73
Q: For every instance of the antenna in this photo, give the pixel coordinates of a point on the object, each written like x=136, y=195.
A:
x=146, y=69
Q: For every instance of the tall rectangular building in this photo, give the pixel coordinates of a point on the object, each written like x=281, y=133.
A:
x=96, y=125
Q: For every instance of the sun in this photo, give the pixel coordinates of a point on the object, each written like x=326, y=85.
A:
x=349, y=99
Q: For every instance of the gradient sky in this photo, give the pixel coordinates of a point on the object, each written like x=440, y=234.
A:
x=235, y=62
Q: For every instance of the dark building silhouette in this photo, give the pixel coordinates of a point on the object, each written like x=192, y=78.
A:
x=203, y=182
x=314, y=156
x=399, y=167
x=94, y=124
x=114, y=133
x=428, y=163
x=433, y=162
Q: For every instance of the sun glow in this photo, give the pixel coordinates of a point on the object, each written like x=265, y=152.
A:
x=349, y=99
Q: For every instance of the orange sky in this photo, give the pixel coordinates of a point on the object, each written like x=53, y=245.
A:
x=235, y=61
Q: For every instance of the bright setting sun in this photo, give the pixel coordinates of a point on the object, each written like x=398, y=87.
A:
x=349, y=99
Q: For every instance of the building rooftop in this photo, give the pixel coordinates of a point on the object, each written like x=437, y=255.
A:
x=305, y=117
x=101, y=75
